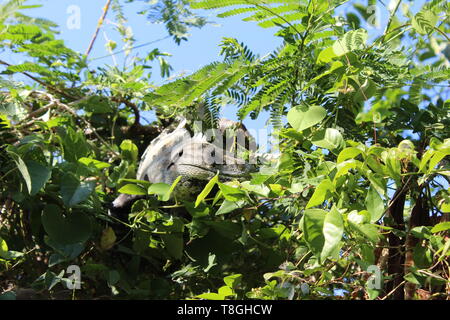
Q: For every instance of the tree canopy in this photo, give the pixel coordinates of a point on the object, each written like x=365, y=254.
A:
x=354, y=205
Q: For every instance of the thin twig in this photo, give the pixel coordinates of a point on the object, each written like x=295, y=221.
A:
x=442, y=32
x=132, y=106
x=42, y=83
x=99, y=25
x=391, y=18
x=65, y=107
x=393, y=290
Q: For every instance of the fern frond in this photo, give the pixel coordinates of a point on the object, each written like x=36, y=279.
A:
x=237, y=11
x=29, y=67
x=215, y=4
x=269, y=13
x=19, y=33
x=211, y=111
x=8, y=9
x=279, y=21
x=184, y=92
x=233, y=50
x=265, y=97
x=276, y=115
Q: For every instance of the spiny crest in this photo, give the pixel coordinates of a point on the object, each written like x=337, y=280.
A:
x=162, y=146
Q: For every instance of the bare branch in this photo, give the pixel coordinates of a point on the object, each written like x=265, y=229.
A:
x=99, y=25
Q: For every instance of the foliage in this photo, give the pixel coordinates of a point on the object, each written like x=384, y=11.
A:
x=176, y=16
x=361, y=179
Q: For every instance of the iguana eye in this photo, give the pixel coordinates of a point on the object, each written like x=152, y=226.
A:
x=180, y=154
x=213, y=153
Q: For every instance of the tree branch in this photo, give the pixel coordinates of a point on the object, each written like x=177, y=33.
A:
x=99, y=25
x=42, y=83
x=132, y=106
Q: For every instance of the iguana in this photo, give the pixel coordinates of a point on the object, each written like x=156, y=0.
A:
x=177, y=153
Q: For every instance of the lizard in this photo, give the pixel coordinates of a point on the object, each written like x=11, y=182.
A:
x=175, y=152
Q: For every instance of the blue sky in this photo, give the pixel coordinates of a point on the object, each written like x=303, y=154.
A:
x=201, y=48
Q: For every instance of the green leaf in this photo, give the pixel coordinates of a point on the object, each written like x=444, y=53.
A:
x=374, y=204
x=163, y=190
x=39, y=175
x=174, y=244
x=183, y=92
x=304, y=117
x=22, y=168
x=74, y=143
x=367, y=230
x=317, y=6
x=344, y=167
x=211, y=296
x=259, y=189
x=143, y=183
x=74, y=191
x=348, y=153
x=391, y=158
x=233, y=280
x=63, y=252
x=445, y=205
x=313, y=221
x=373, y=293
x=129, y=150
x=232, y=193
x=337, y=68
x=133, y=189
x=421, y=232
x=3, y=249
x=437, y=157
x=441, y=227
x=326, y=55
x=225, y=291
x=411, y=277
x=333, y=229
x=330, y=139
x=425, y=158
x=228, y=206
x=211, y=262
x=29, y=67
x=166, y=197
x=97, y=104
x=424, y=21
x=377, y=182
x=206, y=190
x=97, y=164
x=72, y=228
x=197, y=212
x=352, y=40
x=321, y=193
x=364, y=91
x=358, y=217
x=227, y=229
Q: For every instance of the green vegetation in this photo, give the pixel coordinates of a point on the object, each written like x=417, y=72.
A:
x=362, y=179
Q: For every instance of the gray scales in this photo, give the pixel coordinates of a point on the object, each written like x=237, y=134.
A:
x=195, y=157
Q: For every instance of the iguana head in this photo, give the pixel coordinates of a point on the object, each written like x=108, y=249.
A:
x=177, y=153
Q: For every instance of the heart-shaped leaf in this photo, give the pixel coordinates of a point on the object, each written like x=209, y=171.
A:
x=330, y=139
x=72, y=228
x=74, y=191
x=304, y=117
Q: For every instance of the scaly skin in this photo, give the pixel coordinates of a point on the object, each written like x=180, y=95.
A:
x=176, y=153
